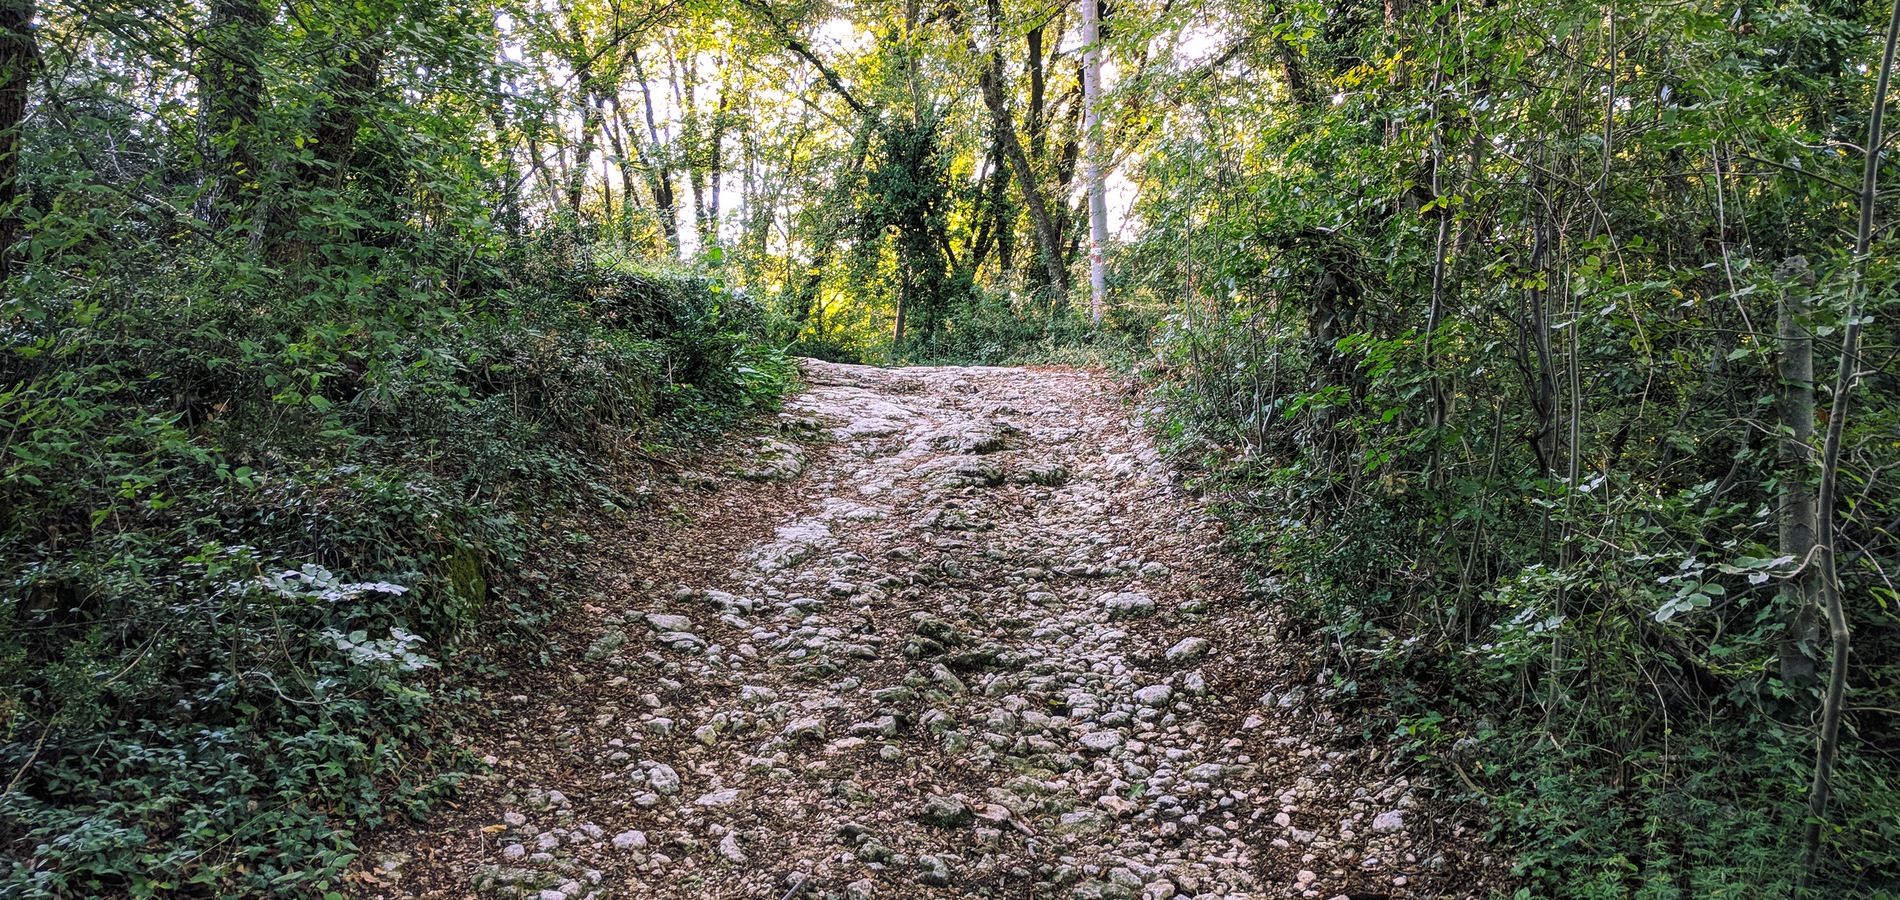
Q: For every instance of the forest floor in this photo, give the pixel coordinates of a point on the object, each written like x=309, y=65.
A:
x=954, y=632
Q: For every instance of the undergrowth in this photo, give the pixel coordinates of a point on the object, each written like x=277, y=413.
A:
x=989, y=329
x=255, y=533
x=1617, y=714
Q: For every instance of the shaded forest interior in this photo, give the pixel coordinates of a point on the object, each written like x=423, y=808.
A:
x=1541, y=352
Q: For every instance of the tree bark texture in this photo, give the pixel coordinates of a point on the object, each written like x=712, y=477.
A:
x=231, y=93
x=18, y=54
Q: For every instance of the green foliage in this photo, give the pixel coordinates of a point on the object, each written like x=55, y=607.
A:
x=182, y=715
x=906, y=193
x=278, y=466
x=1415, y=289
x=992, y=330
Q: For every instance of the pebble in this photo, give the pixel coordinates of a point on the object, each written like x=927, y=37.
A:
x=998, y=597
x=945, y=812
x=729, y=848
x=663, y=779
x=1187, y=650
x=1129, y=605
x=630, y=840
x=722, y=797
x=669, y=623
x=1154, y=695
x=933, y=871
x=809, y=728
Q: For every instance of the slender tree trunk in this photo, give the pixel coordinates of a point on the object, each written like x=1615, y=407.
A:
x=1828, y=746
x=1800, y=595
x=715, y=161
x=987, y=212
x=617, y=141
x=897, y=330
x=685, y=75
x=659, y=171
x=538, y=162
x=1038, y=91
x=1435, y=314
x=606, y=173
x=591, y=111
x=1047, y=230
x=1092, y=167
x=1543, y=374
x=509, y=180
x=18, y=55
x=1048, y=234
x=1573, y=365
x=582, y=163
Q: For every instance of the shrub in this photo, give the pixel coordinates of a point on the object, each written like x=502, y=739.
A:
x=254, y=535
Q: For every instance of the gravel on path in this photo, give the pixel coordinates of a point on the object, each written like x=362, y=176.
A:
x=955, y=632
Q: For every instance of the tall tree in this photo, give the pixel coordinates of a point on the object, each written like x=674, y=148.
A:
x=1048, y=231
x=1092, y=165
x=18, y=55
x=231, y=97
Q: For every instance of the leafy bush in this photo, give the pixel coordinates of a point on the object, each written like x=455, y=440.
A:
x=1505, y=426
x=253, y=535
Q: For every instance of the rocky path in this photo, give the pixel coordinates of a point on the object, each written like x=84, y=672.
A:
x=962, y=639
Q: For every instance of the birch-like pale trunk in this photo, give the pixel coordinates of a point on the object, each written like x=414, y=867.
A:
x=1092, y=164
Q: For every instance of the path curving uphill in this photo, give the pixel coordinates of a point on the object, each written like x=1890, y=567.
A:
x=965, y=640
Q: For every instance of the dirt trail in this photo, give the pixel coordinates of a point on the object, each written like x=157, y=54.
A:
x=964, y=640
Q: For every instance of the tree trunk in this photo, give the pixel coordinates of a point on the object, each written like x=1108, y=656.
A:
x=538, y=162
x=341, y=117
x=1541, y=369
x=1048, y=235
x=335, y=122
x=1800, y=595
x=617, y=141
x=18, y=54
x=1829, y=743
x=583, y=155
x=897, y=330
x=659, y=172
x=230, y=92
x=591, y=110
x=1038, y=91
x=1092, y=167
x=715, y=161
x=684, y=73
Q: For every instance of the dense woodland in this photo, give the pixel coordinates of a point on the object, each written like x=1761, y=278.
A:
x=1542, y=354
